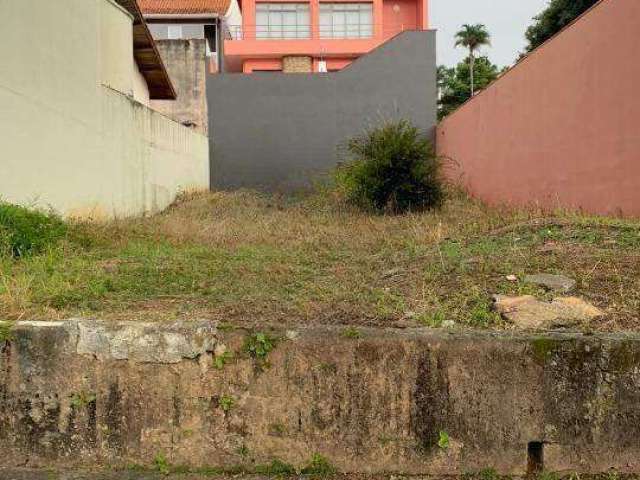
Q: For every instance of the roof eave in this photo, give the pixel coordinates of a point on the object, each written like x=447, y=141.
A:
x=186, y=16
x=148, y=57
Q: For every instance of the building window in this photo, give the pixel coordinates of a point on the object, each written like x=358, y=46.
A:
x=346, y=20
x=174, y=32
x=282, y=20
x=211, y=39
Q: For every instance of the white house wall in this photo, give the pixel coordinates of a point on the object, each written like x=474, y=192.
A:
x=73, y=135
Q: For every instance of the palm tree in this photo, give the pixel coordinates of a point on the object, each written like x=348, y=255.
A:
x=472, y=37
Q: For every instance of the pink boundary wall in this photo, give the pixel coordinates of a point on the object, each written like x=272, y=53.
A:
x=562, y=128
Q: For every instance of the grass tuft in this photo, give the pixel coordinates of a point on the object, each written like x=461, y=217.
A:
x=25, y=231
x=226, y=403
x=277, y=468
x=6, y=331
x=319, y=466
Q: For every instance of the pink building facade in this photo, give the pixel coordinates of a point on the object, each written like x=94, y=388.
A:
x=315, y=35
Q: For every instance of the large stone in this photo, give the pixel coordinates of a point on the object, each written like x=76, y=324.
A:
x=552, y=282
x=529, y=313
x=145, y=342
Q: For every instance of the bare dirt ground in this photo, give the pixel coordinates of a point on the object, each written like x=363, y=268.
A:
x=245, y=258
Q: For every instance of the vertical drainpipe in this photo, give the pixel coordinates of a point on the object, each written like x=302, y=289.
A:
x=220, y=42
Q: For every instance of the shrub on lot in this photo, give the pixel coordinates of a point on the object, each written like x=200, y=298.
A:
x=24, y=231
x=392, y=168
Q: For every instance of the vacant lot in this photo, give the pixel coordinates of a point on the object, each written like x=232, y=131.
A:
x=247, y=258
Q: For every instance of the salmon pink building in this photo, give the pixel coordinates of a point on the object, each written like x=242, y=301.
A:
x=315, y=35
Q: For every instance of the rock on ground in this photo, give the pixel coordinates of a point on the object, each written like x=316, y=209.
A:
x=552, y=282
x=529, y=313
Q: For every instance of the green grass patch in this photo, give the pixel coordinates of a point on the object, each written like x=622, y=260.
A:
x=319, y=466
x=275, y=468
x=226, y=403
x=6, y=331
x=25, y=231
x=250, y=258
x=351, y=333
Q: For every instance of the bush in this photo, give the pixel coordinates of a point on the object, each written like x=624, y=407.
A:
x=24, y=231
x=392, y=168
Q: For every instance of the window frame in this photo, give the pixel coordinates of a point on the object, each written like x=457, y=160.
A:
x=345, y=29
x=281, y=29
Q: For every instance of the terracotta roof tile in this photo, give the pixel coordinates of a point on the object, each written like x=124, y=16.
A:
x=184, y=7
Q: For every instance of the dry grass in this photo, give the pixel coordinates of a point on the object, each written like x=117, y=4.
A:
x=250, y=258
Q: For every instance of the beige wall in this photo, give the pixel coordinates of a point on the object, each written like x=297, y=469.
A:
x=115, y=52
x=72, y=135
x=140, y=87
x=118, y=68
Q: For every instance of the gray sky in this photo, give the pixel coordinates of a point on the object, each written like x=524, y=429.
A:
x=506, y=20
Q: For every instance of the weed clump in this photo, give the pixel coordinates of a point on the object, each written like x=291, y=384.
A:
x=226, y=402
x=392, y=168
x=219, y=361
x=6, y=331
x=443, y=440
x=489, y=474
x=25, y=231
x=319, y=466
x=258, y=346
x=277, y=468
x=161, y=464
x=82, y=399
x=352, y=333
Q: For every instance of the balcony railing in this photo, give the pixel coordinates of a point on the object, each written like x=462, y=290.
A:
x=271, y=32
x=299, y=32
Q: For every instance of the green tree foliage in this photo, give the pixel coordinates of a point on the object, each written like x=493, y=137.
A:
x=392, y=168
x=554, y=18
x=472, y=37
x=454, y=83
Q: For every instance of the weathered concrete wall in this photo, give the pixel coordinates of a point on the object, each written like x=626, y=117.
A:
x=186, y=63
x=279, y=131
x=560, y=129
x=92, y=393
x=73, y=135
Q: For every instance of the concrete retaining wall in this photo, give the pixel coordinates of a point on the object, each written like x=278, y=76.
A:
x=279, y=131
x=74, y=133
x=86, y=393
x=561, y=128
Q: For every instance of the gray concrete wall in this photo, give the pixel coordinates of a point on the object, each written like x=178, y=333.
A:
x=280, y=131
x=187, y=66
x=90, y=393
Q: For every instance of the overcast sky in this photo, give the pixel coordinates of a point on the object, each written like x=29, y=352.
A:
x=506, y=20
